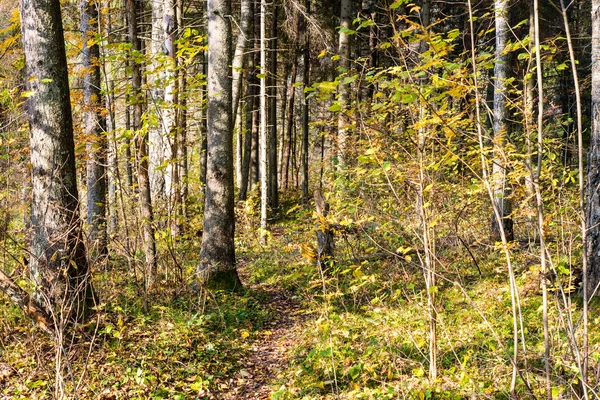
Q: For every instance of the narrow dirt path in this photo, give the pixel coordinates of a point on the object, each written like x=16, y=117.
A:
x=271, y=350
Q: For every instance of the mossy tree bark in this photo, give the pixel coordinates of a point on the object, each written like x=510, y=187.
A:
x=58, y=263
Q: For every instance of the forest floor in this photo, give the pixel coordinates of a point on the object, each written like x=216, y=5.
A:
x=362, y=332
x=271, y=350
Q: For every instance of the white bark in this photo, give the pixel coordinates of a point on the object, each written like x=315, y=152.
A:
x=263, y=123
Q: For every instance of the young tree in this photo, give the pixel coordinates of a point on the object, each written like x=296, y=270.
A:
x=305, y=116
x=239, y=60
x=142, y=150
x=500, y=123
x=58, y=259
x=344, y=65
x=263, y=123
x=95, y=127
x=272, y=97
x=217, y=264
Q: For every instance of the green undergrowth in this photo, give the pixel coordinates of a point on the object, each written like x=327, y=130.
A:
x=362, y=329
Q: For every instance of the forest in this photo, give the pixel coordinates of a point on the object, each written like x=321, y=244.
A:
x=299, y=199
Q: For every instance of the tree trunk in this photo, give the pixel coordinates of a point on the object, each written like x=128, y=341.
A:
x=251, y=111
x=95, y=127
x=168, y=109
x=239, y=59
x=203, y=124
x=272, y=147
x=344, y=65
x=142, y=153
x=263, y=139
x=290, y=123
x=182, y=153
x=217, y=265
x=155, y=128
x=305, y=116
x=58, y=259
x=501, y=191
x=593, y=170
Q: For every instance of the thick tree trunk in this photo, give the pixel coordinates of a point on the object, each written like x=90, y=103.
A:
x=593, y=171
x=95, y=127
x=142, y=153
x=217, y=265
x=58, y=259
x=501, y=190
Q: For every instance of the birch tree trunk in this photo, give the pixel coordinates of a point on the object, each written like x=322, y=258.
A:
x=155, y=129
x=344, y=65
x=239, y=59
x=263, y=172
x=58, y=259
x=500, y=129
x=217, y=257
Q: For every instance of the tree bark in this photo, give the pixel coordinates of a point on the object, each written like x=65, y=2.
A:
x=155, y=128
x=344, y=65
x=203, y=124
x=272, y=147
x=305, y=111
x=593, y=170
x=217, y=265
x=263, y=139
x=182, y=153
x=58, y=258
x=94, y=130
x=251, y=111
x=501, y=191
x=290, y=119
x=239, y=59
x=142, y=152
